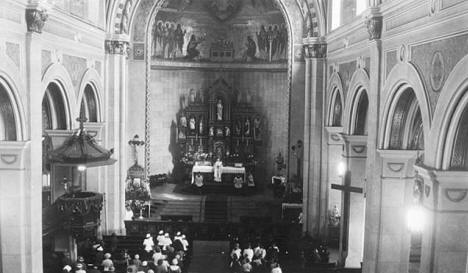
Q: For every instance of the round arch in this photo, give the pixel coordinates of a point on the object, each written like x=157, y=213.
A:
x=8, y=85
x=452, y=102
x=91, y=77
x=358, y=86
x=57, y=74
x=335, y=88
x=403, y=76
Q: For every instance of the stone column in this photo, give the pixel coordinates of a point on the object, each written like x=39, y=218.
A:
x=445, y=236
x=355, y=157
x=314, y=193
x=116, y=76
x=373, y=189
x=397, y=196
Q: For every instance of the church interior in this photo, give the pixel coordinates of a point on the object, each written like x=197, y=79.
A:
x=234, y=136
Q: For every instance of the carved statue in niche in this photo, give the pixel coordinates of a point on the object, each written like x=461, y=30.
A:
x=192, y=124
x=238, y=128
x=191, y=96
x=219, y=110
x=219, y=132
x=263, y=44
x=247, y=126
x=199, y=97
x=211, y=131
x=183, y=120
x=201, y=125
x=257, y=128
x=227, y=131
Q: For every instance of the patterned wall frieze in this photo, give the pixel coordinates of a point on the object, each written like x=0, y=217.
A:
x=13, y=52
x=76, y=66
x=374, y=27
x=436, y=59
x=46, y=60
x=35, y=19
x=117, y=47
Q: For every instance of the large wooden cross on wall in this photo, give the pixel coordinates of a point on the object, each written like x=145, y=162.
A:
x=346, y=190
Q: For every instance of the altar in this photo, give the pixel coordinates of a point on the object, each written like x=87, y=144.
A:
x=223, y=170
x=218, y=135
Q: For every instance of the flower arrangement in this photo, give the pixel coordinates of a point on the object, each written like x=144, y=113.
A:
x=137, y=189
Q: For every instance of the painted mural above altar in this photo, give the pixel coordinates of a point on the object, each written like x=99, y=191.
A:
x=219, y=31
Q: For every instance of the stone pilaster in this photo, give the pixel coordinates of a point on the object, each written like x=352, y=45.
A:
x=445, y=236
x=334, y=150
x=355, y=157
x=397, y=183
x=373, y=190
x=116, y=76
x=314, y=193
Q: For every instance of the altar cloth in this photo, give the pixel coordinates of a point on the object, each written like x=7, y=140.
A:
x=224, y=169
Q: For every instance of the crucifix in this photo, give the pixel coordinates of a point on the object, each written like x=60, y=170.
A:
x=134, y=143
x=346, y=190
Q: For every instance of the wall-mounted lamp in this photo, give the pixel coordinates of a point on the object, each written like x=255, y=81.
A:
x=81, y=168
x=416, y=216
x=341, y=168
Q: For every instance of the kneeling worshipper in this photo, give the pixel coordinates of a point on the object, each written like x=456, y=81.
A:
x=107, y=262
x=160, y=238
x=166, y=241
x=198, y=180
x=79, y=269
x=238, y=182
x=185, y=243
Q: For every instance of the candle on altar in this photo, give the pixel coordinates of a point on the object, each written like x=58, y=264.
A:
x=201, y=143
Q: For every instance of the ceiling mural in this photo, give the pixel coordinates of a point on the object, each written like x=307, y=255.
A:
x=219, y=31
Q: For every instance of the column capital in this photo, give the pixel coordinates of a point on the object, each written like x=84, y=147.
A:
x=316, y=49
x=36, y=16
x=118, y=47
x=374, y=23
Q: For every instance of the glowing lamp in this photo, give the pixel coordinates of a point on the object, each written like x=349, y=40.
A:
x=416, y=218
x=81, y=168
x=341, y=168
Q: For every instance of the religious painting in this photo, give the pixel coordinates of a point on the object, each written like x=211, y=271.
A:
x=213, y=31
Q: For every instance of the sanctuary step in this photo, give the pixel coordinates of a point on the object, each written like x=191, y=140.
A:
x=132, y=243
x=178, y=210
x=216, y=208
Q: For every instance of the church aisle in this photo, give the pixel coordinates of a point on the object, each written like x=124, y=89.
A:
x=209, y=257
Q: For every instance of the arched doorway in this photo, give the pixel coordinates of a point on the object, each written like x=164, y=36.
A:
x=54, y=114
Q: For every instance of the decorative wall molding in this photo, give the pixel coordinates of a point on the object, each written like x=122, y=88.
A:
x=315, y=51
x=35, y=19
x=395, y=167
x=456, y=195
x=9, y=158
x=359, y=149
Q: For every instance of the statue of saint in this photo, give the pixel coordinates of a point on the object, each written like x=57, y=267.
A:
x=227, y=131
x=201, y=125
x=247, y=127
x=183, y=120
x=192, y=96
x=219, y=110
x=211, y=131
x=257, y=131
x=192, y=123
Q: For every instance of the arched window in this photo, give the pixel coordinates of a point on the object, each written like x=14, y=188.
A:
x=7, y=117
x=88, y=106
x=336, y=13
x=337, y=110
x=360, y=123
x=406, y=132
x=54, y=115
x=459, y=159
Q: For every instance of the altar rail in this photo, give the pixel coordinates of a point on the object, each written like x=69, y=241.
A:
x=214, y=231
